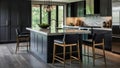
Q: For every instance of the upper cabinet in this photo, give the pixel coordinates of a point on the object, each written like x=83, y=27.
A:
x=89, y=7
x=106, y=7
x=75, y=9
x=92, y=7
x=101, y=7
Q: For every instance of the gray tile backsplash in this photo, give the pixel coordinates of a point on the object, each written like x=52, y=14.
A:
x=95, y=20
x=87, y=21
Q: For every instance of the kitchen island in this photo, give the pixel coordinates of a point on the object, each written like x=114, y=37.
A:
x=42, y=41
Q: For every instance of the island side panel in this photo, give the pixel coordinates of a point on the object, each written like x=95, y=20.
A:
x=39, y=45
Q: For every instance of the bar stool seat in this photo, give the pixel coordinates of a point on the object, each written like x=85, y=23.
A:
x=87, y=42
x=97, y=40
x=59, y=41
x=68, y=41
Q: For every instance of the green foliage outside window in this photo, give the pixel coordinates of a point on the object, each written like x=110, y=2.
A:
x=44, y=15
x=89, y=6
x=60, y=16
x=35, y=16
x=53, y=18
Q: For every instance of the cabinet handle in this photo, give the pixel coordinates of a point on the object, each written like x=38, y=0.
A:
x=6, y=22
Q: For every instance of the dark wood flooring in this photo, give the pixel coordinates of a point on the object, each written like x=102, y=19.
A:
x=23, y=59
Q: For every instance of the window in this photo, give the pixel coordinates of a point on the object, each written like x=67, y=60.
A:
x=116, y=17
x=89, y=6
x=35, y=16
x=44, y=15
x=60, y=16
x=54, y=17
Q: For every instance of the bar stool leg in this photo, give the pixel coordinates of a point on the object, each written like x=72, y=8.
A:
x=27, y=45
x=104, y=54
x=17, y=46
x=70, y=54
x=54, y=49
x=84, y=49
x=88, y=53
x=78, y=48
x=64, y=49
x=93, y=50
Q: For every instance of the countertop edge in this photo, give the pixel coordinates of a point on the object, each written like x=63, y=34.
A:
x=30, y=29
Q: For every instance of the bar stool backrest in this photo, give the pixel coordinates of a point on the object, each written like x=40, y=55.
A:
x=98, y=37
x=17, y=31
x=71, y=38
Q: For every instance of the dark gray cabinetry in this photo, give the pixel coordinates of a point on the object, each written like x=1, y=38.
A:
x=75, y=9
x=101, y=7
x=106, y=7
x=4, y=25
x=13, y=14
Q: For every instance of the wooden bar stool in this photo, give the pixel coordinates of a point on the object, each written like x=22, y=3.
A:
x=22, y=37
x=97, y=40
x=68, y=41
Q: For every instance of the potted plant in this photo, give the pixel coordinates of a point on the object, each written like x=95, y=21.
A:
x=71, y=24
x=43, y=25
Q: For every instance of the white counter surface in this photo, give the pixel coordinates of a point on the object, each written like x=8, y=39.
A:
x=59, y=31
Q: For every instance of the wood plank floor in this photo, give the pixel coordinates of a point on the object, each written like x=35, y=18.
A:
x=23, y=59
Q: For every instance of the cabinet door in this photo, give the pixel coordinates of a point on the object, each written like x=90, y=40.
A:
x=25, y=14
x=80, y=8
x=4, y=13
x=32, y=41
x=4, y=34
x=12, y=34
x=14, y=13
x=14, y=19
x=40, y=44
x=4, y=21
x=105, y=7
x=76, y=9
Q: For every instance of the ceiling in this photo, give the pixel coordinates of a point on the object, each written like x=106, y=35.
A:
x=67, y=1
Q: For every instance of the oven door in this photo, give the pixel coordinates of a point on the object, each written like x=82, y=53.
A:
x=116, y=44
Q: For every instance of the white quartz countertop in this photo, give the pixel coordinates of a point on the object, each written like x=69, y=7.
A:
x=59, y=31
x=107, y=29
x=88, y=28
